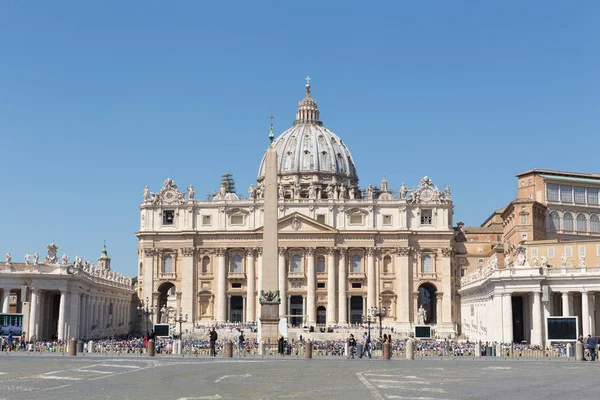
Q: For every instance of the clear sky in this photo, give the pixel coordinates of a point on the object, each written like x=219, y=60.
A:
x=99, y=99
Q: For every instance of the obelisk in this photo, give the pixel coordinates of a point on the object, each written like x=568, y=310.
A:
x=269, y=296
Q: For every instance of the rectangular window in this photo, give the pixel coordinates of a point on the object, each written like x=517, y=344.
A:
x=568, y=251
x=236, y=285
x=592, y=196
x=524, y=236
x=552, y=192
x=237, y=220
x=579, y=195
x=550, y=252
x=356, y=285
x=462, y=271
x=168, y=217
x=206, y=220
x=356, y=219
x=598, y=250
x=426, y=217
x=320, y=285
x=523, y=220
x=462, y=261
x=387, y=219
x=480, y=260
x=566, y=193
x=582, y=251
x=321, y=218
x=534, y=252
x=480, y=249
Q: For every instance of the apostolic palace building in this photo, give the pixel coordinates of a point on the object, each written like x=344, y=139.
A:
x=343, y=249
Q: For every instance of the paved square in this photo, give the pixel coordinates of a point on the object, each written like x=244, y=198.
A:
x=175, y=378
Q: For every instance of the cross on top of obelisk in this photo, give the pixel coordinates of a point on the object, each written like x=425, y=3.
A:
x=308, y=80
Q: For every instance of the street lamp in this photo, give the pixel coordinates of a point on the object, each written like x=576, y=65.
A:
x=180, y=320
x=379, y=312
x=369, y=319
x=146, y=310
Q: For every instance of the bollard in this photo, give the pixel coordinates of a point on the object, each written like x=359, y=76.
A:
x=151, y=349
x=478, y=348
x=228, y=349
x=386, y=350
x=346, y=350
x=73, y=347
x=578, y=351
x=410, y=350
x=308, y=349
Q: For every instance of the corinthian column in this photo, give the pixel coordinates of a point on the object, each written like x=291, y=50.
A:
x=371, y=279
x=311, y=287
x=342, y=283
x=222, y=288
x=62, y=310
x=282, y=282
x=250, y=299
x=260, y=279
x=331, y=286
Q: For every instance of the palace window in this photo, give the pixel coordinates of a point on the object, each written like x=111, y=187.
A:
x=168, y=217
x=206, y=220
x=567, y=222
x=592, y=196
x=552, y=192
x=566, y=193
x=236, y=264
x=296, y=263
x=356, y=219
x=581, y=223
x=426, y=217
x=320, y=264
x=579, y=195
x=568, y=251
x=594, y=224
x=534, y=252
x=550, y=252
x=321, y=218
x=355, y=265
x=168, y=264
x=554, y=221
x=427, y=264
x=582, y=251
x=237, y=220
x=387, y=219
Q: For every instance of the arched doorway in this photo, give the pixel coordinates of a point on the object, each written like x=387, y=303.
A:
x=167, y=300
x=321, y=315
x=428, y=299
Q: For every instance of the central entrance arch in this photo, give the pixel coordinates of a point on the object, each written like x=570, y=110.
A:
x=166, y=299
x=428, y=299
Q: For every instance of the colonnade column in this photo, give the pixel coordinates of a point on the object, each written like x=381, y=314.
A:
x=585, y=313
x=371, y=280
x=33, y=313
x=259, y=267
x=403, y=285
x=250, y=301
x=222, y=288
x=82, y=314
x=507, y=317
x=565, y=304
x=282, y=282
x=446, y=286
x=5, y=300
x=311, y=288
x=536, y=316
x=62, y=309
x=188, y=289
x=342, y=283
x=72, y=329
x=331, y=286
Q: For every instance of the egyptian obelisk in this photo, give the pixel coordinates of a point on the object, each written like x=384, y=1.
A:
x=269, y=296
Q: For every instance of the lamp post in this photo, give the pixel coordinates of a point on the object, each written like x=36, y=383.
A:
x=369, y=318
x=379, y=312
x=180, y=320
x=146, y=310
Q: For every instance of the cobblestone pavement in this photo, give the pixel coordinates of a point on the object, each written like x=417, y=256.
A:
x=174, y=378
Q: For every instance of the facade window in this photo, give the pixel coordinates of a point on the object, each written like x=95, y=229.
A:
x=206, y=220
x=462, y=272
x=356, y=219
x=168, y=264
x=582, y=251
x=236, y=285
x=296, y=263
x=387, y=219
x=387, y=265
x=426, y=217
x=552, y=192
x=550, y=252
x=598, y=250
x=321, y=218
x=592, y=196
x=579, y=194
x=356, y=285
x=320, y=285
x=462, y=261
x=534, y=253
x=524, y=236
x=206, y=265
x=566, y=193
x=320, y=264
x=554, y=221
x=168, y=217
x=568, y=251
x=567, y=222
x=427, y=264
x=480, y=260
x=581, y=223
x=480, y=249
x=594, y=224
x=355, y=267
x=237, y=220
x=523, y=220
x=236, y=264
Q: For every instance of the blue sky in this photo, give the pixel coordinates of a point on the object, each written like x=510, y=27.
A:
x=99, y=99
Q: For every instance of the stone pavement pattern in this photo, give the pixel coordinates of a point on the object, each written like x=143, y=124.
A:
x=170, y=378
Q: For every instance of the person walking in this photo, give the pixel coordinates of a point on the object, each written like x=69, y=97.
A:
x=213, y=341
x=280, y=346
x=240, y=341
x=351, y=346
x=591, y=342
x=367, y=350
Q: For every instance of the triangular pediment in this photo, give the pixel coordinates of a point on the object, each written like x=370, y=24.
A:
x=299, y=223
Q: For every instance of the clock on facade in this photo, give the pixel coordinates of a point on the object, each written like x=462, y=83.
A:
x=426, y=195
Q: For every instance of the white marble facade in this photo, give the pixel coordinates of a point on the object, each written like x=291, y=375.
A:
x=343, y=249
x=62, y=299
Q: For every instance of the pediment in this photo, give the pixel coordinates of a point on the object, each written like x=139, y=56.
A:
x=299, y=223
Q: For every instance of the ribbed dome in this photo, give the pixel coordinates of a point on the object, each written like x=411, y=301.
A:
x=308, y=148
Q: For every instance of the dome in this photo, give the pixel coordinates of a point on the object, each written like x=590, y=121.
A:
x=308, y=149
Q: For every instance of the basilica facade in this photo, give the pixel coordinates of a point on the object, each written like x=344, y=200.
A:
x=343, y=249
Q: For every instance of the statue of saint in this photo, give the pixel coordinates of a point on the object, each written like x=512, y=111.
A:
x=421, y=315
x=191, y=192
x=27, y=258
x=563, y=260
x=447, y=192
x=312, y=191
x=8, y=258
x=36, y=257
x=146, y=193
x=164, y=315
x=581, y=261
x=251, y=192
x=370, y=192
x=281, y=192
x=342, y=191
x=65, y=259
x=403, y=191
